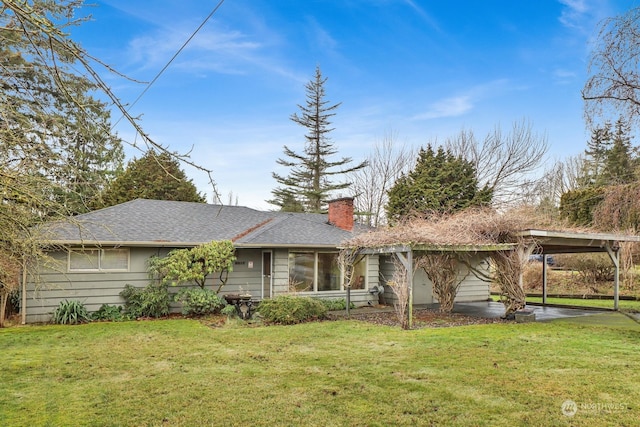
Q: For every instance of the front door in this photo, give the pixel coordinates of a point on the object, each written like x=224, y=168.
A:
x=266, y=274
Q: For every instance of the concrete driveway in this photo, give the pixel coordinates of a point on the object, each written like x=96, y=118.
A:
x=492, y=309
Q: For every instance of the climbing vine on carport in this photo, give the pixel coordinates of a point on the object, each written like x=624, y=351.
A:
x=497, y=233
x=443, y=270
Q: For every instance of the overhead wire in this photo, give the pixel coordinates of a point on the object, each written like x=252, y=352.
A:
x=184, y=45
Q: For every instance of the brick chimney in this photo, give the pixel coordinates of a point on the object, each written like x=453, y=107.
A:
x=341, y=213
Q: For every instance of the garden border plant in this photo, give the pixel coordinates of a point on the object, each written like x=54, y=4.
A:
x=70, y=312
x=199, y=302
x=290, y=309
x=151, y=301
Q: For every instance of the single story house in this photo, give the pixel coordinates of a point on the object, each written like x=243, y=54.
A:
x=96, y=254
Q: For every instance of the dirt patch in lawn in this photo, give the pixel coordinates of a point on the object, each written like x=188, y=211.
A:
x=425, y=318
x=422, y=318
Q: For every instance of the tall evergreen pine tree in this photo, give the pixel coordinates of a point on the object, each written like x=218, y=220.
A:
x=619, y=166
x=310, y=182
x=609, y=157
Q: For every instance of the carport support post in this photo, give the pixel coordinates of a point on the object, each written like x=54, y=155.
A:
x=614, y=254
x=407, y=262
x=544, y=279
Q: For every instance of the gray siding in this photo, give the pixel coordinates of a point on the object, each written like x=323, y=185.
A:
x=91, y=288
x=97, y=288
x=373, y=266
x=386, y=273
x=247, y=274
x=94, y=288
x=471, y=288
x=280, y=272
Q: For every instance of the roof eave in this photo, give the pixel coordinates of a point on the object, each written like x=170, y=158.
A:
x=579, y=235
x=172, y=244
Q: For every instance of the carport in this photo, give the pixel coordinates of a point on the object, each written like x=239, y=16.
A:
x=561, y=242
x=538, y=241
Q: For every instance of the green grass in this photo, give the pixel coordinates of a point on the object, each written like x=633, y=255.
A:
x=183, y=373
x=581, y=302
x=600, y=303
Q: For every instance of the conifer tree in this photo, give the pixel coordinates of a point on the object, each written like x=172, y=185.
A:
x=153, y=176
x=439, y=183
x=598, y=146
x=51, y=125
x=619, y=166
x=609, y=156
x=311, y=180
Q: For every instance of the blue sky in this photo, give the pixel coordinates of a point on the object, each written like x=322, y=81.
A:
x=422, y=70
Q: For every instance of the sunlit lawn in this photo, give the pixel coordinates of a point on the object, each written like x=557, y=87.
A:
x=184, y=373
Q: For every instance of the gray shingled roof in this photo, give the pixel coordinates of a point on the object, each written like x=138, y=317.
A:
x=166, y=223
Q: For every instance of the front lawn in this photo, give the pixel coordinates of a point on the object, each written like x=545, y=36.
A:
x=184, y=373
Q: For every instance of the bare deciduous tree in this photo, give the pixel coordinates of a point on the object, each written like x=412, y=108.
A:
x=613, y=86
x=386, y=163
x=507, y=272
x=400, y=286
x=562, y=176
x=503, y=160
x=347, y=259
x=509, y=266
x=10, y=267
x=443, y=272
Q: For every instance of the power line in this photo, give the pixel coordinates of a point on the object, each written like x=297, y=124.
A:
x=215, y=9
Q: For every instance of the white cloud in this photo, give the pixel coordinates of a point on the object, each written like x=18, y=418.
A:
x=573, y=13
x=583, y=15
x=215, y=48
x=220, y=51
x=462, y=103
x=424, y=15
x=322, y=37
x=448, y=107
x=564, y=76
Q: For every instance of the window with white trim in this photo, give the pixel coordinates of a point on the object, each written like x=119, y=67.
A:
x=99, y=259
x=319, y=272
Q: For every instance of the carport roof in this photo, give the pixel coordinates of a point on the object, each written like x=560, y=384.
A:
x=557, y=242
x=549, y=242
